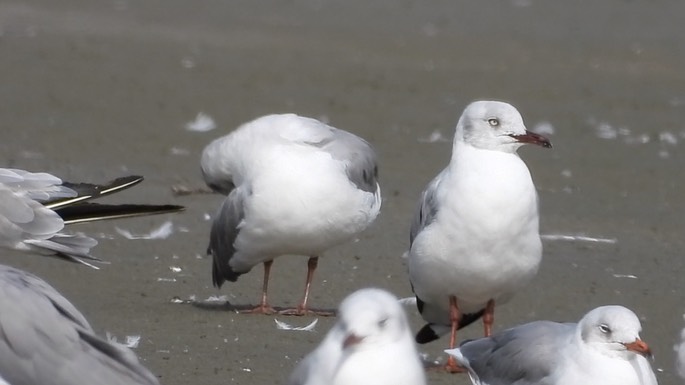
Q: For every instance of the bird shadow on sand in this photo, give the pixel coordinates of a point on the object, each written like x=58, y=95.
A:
x=220, y=304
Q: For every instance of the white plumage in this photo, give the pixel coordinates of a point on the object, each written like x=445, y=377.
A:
x=474, y=238
x=294, y=186
x=370, y=344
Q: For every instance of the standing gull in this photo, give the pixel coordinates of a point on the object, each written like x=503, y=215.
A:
x=370, y=344
x=603, y=348
x=45, y=340
x=294, y=185
x=35, y=207
x=474, y=240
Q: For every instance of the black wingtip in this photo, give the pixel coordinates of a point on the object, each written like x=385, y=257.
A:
x=221, y=273
x=468, y=319
x=426, y=335
x=90, y=212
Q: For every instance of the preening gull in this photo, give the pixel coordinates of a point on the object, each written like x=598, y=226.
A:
x=474, y=239
x=35, y=207
x=45, y=340
x=370, y=344
x=603, y=348
x=294, y=186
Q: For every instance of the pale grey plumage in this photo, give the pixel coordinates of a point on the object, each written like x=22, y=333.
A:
x=603, y=348
x=35, y=207
x=26, y=224
x=45, y=340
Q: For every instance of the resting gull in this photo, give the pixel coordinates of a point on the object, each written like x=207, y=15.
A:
x=603, y=348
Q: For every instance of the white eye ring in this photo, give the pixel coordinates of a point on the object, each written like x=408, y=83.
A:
x=604, y=329
x=494, y=122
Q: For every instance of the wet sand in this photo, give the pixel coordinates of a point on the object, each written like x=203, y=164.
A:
x=94, y=90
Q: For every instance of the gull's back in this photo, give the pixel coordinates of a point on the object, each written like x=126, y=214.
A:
x=45, y=340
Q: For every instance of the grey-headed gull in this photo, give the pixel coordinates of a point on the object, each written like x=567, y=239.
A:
x=474, y=240
x=35, y=207
x=370, y=344
x=45, y=340
x=294, y=185
x=603, y=348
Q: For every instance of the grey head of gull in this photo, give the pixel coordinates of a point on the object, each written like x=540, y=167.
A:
x=295, y=186
x=35, y=207
x=603, y=348
x=474, y=240
x=45, y=340
x=370, y=344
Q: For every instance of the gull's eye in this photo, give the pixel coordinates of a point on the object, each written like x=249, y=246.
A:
x=494, y=122
x=382, y=323
x=604, y=329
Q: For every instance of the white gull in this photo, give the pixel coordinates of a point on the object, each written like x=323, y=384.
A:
x=294, y=186
x=370, y=344
x=603, y=348
x=474, y=240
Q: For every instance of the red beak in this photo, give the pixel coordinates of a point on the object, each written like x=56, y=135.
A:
x=533, y=138
x=351, y=339
x=639, y=347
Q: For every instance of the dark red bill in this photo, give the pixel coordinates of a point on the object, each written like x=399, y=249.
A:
x=533, y=138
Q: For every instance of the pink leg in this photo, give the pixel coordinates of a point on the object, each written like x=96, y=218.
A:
x=302, y=309
x=489, y=317
x=263, y=307
x=455, y=316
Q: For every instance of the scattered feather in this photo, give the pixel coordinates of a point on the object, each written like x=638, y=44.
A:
x=407, y=301
x=131, y=342
x=162, y=232
x=435, y=136
x=624, y=276
x=202, y=123
x=175, y=269
x=284, y=326
x=578, y=238
x=179, y=151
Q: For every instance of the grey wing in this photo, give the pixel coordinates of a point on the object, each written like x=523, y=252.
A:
x=26, y=224
x=38, y=186
x=356, y=153
x=426, y=210
x=225, y=229
x=44, y=339
x=523, y=355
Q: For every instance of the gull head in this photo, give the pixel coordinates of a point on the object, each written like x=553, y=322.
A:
x=613, y=331
x=493, y=125
x=371, y=318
